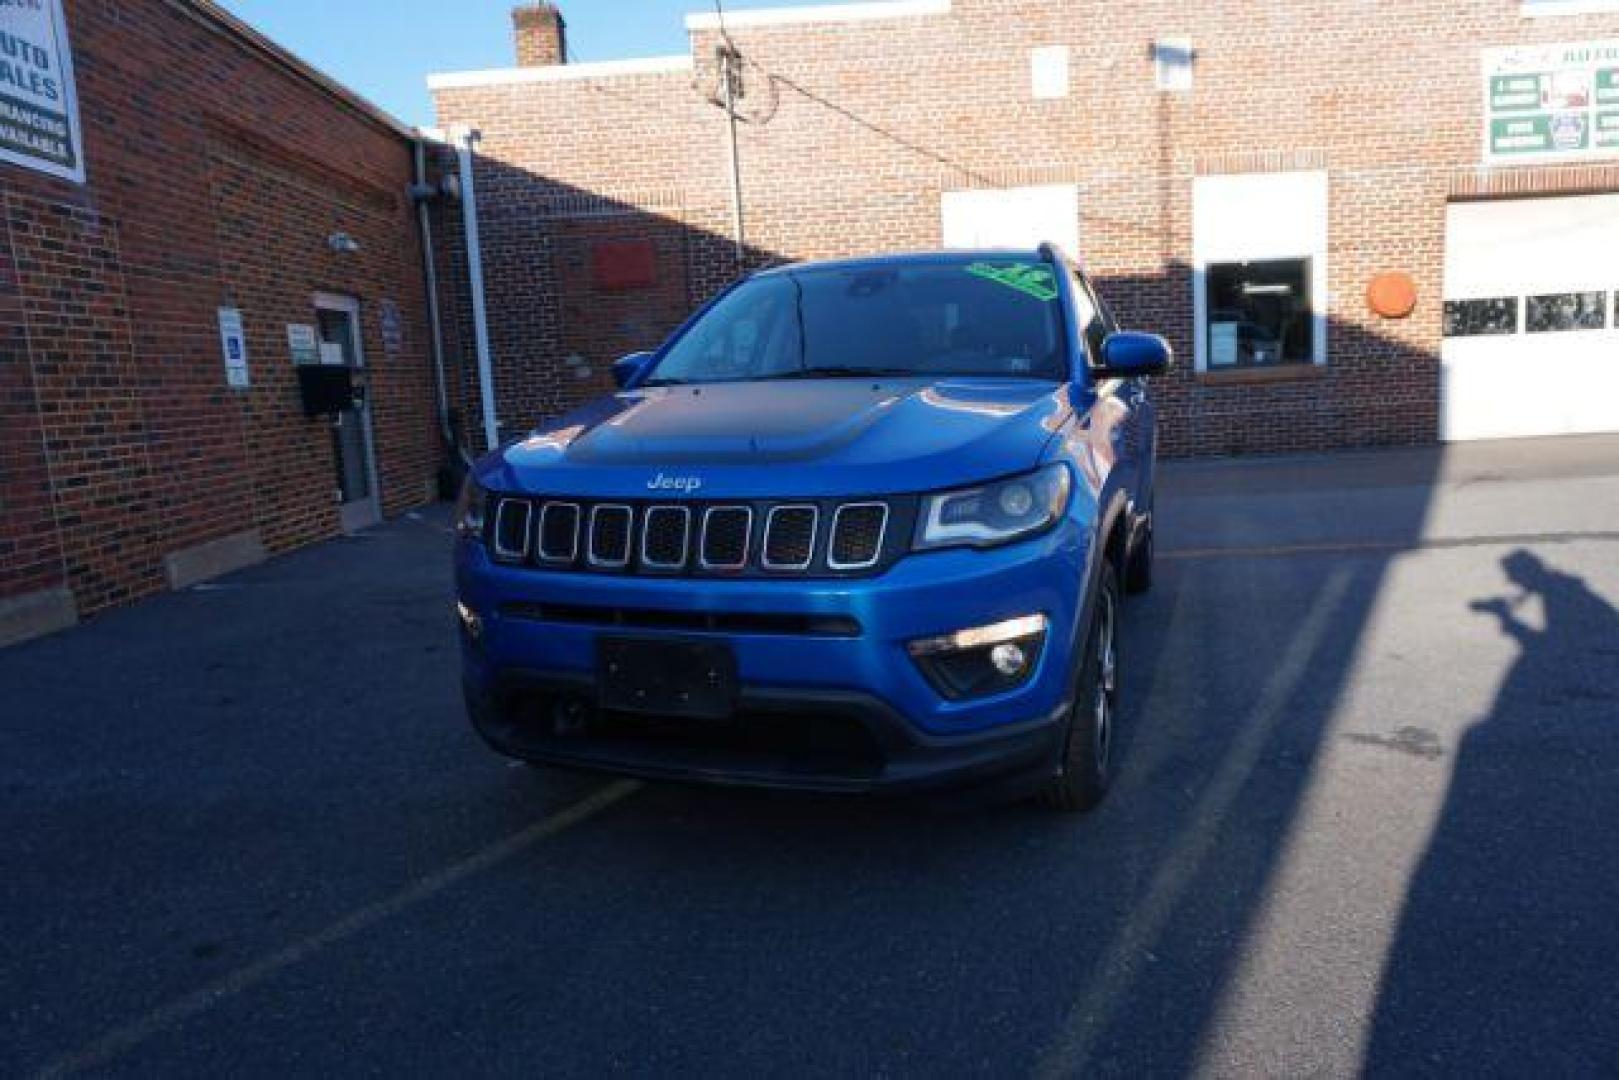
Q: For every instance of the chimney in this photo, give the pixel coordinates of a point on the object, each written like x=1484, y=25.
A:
x=542, y=36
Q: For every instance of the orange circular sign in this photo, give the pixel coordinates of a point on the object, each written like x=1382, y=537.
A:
x=1393, y=296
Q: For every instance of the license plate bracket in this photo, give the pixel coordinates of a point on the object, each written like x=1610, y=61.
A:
x=672, y=677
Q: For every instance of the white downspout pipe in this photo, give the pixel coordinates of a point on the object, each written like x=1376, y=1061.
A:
x=480, y=317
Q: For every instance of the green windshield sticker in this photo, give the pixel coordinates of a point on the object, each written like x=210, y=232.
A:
x=1032, y=278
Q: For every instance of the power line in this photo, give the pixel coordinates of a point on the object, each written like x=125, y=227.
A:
x=730, y=79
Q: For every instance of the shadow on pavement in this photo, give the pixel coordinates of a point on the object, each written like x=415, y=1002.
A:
x=1505, y=959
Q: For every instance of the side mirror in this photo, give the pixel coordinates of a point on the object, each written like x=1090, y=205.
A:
x=627, y=369
x=1129, y=355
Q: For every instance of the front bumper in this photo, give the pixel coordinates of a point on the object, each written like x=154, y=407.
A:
x=792, y=739
x=816, y=711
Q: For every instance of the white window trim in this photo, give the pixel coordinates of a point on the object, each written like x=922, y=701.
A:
x=1316, y=252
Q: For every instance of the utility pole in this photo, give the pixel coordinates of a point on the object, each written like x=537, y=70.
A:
x=730, y=77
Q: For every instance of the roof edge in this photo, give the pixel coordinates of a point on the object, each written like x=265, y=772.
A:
x=821, y=13
x=595, y=69
x=216, y=18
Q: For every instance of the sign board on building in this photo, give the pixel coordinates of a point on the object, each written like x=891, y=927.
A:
x=303, y=344
x=1048, y=72
x=621, y=265
x=39, y=107
x=392, y=325
x=233, y=343
x=1551, y=102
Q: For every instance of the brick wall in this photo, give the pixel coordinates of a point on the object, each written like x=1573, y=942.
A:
x=215, y=175
x=860, y=127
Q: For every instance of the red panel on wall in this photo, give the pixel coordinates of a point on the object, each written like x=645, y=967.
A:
x=623, y=264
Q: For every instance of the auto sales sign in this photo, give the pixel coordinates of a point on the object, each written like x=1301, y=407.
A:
x=1551, y=102
x=39, y=111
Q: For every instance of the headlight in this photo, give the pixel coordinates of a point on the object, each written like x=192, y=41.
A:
x=469, y=509
x=995, y=513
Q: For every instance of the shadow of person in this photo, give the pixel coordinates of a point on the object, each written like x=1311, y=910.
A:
x=1506, y=962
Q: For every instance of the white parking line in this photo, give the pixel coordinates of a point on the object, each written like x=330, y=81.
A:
x=1387, y=547
x=176, y=1012
x=1115, y=971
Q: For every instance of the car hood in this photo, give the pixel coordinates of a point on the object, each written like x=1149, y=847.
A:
x=811, y=437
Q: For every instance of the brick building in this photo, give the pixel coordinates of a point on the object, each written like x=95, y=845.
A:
x=217, y=215
x=1360, y=222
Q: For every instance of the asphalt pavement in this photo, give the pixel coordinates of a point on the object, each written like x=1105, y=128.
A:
x=1364, y=823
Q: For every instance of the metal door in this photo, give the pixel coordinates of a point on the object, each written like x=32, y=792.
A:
x=338, y=324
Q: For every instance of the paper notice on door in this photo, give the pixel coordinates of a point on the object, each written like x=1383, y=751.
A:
x=303, y=343
x=1222, y=344
x=331, y=352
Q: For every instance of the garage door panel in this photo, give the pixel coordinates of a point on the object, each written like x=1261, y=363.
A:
x=1493, y=390
x=1539, y=353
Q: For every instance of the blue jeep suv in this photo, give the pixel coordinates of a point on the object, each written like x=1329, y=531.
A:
x=856, y=526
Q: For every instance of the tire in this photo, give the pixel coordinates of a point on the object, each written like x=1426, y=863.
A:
x=1085, y=769
x=1138, y=567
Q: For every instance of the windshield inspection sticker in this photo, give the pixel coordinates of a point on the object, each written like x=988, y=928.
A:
x=1031, y=278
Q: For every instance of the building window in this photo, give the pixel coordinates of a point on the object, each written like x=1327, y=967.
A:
x=1260, y=313
x=1259, y=262
x=1481, y=318
x=1555, y=312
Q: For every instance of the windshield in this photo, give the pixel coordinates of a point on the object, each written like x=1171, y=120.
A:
x=972, y=317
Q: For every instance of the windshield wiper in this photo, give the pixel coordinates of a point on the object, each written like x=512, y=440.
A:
x=844, y=372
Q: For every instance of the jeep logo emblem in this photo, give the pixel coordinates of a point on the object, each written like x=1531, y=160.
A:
x=687, y=484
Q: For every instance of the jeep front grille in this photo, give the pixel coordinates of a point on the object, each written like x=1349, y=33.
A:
x=559, y=532
x=510, y=538
x=610, y=528
x=790, y=537
x=726, y=530
x=663, y=537
x=857, y=535
x=803, y=537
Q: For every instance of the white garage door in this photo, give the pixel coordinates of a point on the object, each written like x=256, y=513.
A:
x=1531, y=331
x=1023, y=217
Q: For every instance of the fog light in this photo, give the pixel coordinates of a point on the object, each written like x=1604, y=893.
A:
x=1008, y=658
x=981, y=636
x=981, y=660
x=469, y=620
